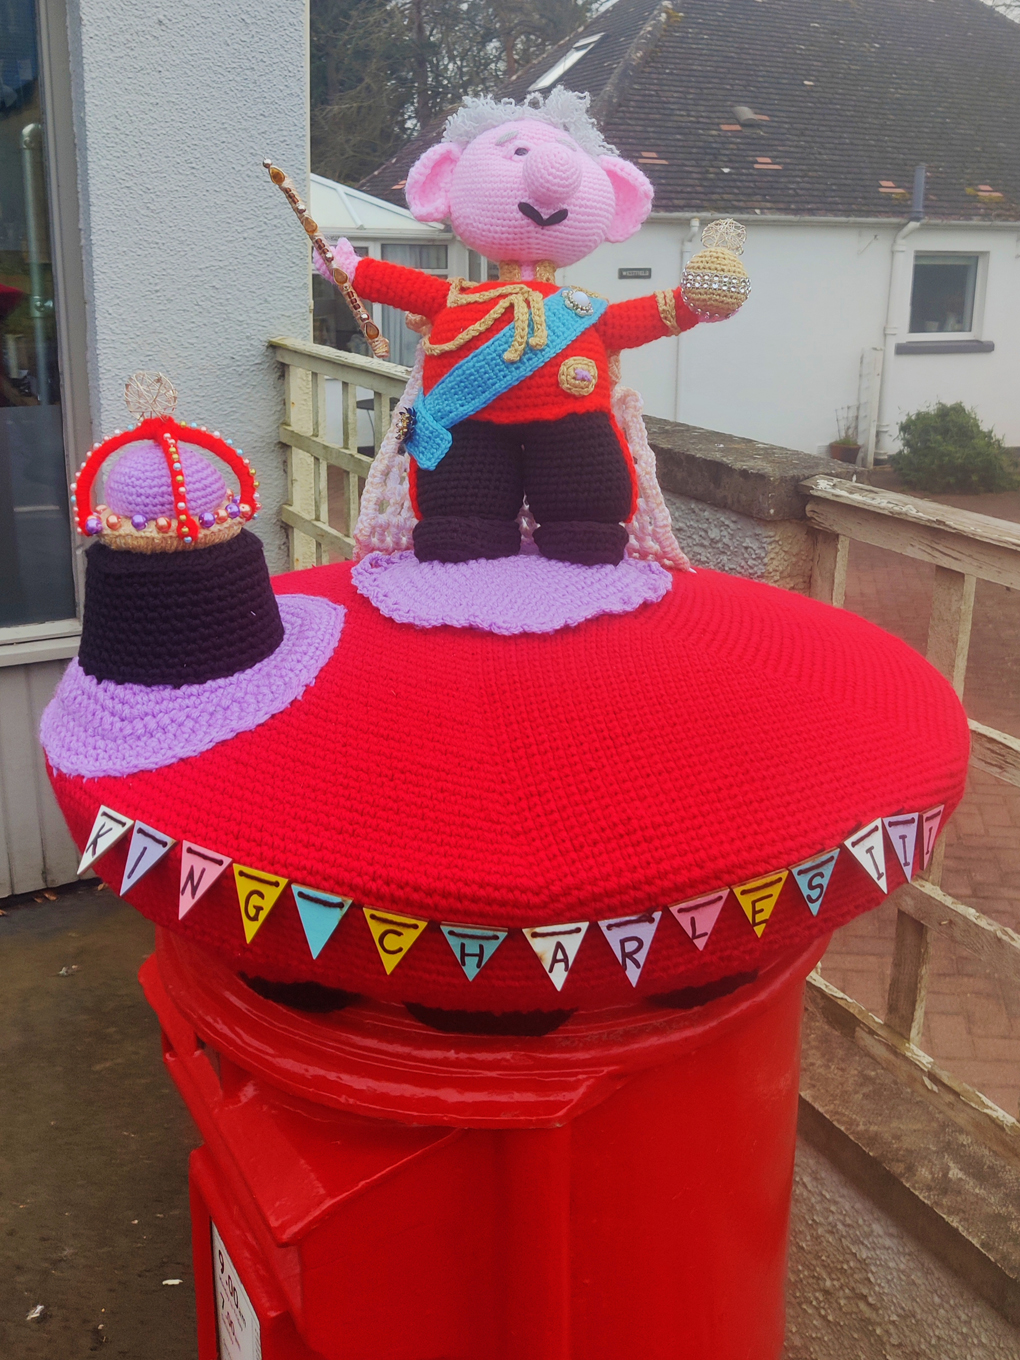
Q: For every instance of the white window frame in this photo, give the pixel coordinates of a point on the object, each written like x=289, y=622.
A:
x=977, y=319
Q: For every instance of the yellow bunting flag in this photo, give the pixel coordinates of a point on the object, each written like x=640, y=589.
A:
x=257, y=894
x=759, y=897
x=393, y=934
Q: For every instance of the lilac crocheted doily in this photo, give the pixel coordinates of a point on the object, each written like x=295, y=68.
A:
x=523, y=594
x=96, y=727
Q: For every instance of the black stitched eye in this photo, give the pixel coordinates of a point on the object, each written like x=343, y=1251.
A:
x=521, y=151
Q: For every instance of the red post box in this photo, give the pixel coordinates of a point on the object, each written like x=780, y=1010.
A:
x=372, y=1190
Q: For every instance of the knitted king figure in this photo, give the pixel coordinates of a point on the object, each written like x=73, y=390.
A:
x=515, y=403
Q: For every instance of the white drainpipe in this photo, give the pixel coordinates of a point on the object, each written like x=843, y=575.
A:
x=685, y=244
x=883, y=440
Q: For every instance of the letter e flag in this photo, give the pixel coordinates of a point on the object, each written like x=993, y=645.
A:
x=759, y=897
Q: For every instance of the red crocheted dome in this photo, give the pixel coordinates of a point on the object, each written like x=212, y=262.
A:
x=622, y=766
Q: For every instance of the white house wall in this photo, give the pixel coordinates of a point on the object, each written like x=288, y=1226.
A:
x=778, y=371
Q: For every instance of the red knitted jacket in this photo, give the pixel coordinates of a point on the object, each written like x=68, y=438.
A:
x=623, y=325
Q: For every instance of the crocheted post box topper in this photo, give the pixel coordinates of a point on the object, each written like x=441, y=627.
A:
x=516, y=388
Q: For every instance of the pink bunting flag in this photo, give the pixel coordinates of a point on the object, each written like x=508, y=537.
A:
x=697, y=917
x=199, y=871
x=930, y=822
x=902, y=833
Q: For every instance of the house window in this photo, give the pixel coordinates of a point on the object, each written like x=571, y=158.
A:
x=36, y=564
x=942, y=299
x=571, y=58
x=434, y=259
x=333, y=321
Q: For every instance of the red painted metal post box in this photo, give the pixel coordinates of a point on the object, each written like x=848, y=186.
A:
x=369, y=1189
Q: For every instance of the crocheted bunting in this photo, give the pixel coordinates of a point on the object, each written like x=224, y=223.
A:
x=541, y=784
x=813, y=878
x=257, y=895
x=868, y=849
x=697, y=917
x=902, y=833
x=630, y=939
x=320, y=914
x=522, y=594
x=148, y=846
x=108, y=828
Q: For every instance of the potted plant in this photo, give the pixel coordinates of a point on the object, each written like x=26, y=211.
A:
x=846, y=445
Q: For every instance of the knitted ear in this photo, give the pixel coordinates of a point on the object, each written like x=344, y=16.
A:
x=428, y=182
x=633, y=192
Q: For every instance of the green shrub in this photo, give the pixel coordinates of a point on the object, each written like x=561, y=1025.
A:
x=945, y=448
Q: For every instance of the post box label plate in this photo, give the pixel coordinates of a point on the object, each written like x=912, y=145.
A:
x=237, y=1323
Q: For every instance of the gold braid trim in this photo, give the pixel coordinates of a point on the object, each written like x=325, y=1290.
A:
x=666, y=303
x=528, y=304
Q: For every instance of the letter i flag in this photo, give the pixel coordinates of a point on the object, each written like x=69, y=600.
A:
x=630, y=938
x=930, y=820
x=199, y=871
x=556, y=947
x=148, y=846
x=473, y=946
x=393, y=934
x=697, y=917
x=902, y=833
x=812, y=878
x=257, y=895
x=108, y=828
x=759, y=896
x=321, y=913
x=868, y=849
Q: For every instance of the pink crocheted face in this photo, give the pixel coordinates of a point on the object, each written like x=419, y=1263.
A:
x=526, y=191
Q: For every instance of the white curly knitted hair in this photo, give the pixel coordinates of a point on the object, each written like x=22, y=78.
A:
x=562, y=108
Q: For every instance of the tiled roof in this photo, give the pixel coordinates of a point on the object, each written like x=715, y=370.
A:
x=852, y=94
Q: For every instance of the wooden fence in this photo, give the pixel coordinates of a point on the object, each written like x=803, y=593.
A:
x=964, y=548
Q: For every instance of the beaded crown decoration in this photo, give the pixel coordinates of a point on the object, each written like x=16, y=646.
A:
x=163, y=496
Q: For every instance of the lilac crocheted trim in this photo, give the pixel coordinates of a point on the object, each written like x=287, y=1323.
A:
x=96, y=727
x=524, y=594
x=139, y=482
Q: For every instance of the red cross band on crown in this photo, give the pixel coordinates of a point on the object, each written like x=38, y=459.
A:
x=167, y=433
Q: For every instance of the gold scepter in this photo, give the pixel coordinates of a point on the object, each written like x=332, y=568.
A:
x=377, y=343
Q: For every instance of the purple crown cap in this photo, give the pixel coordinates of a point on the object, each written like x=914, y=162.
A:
x=139, y=483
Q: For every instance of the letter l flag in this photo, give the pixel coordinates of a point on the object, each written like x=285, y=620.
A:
x=698, y=916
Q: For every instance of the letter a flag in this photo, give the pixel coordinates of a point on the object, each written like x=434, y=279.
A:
x=930, y=821
x=257, y=895
x=108, y=828
x=393, y=934
x=759, y=896
x=474, y=946
x=199, y=871
x=148, y=846
x=630, y=938
x=812, y=878
x=699, y=915
x=556, y=947
x=902, y=833
x=321, y=913
x=868, y=850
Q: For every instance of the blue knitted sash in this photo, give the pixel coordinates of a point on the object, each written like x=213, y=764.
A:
x=483, y=375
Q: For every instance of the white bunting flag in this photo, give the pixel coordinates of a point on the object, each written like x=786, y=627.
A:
x=199, y=871
x=473, y=946
x=556, y=947
x=321, y=913
x=148, y=846
x=902, y=833
x=812, y=878
x=699, y=915
x=930, y=822
x=108, y=828
x=630, y=938
x=868, y=850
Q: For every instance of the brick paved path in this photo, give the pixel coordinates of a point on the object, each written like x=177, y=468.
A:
x=972, y=1024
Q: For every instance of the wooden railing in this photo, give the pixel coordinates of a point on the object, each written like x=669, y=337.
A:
x=964, y=548
x=328, y=392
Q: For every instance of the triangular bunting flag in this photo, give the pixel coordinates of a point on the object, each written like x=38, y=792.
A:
x=699, y=915
x=630, y=938
x=759, y=896
x=199, y=871
x=868, y=849
x=148, y=846
x=557, y=948
x=108, y=828
x=812, y=878
x=257, y=894
x=320, y=913
x=393, y=934
x=930, y=822
x=902, y=833
x=474, y=946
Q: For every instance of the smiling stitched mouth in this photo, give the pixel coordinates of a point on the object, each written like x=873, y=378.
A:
x=551, y=221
